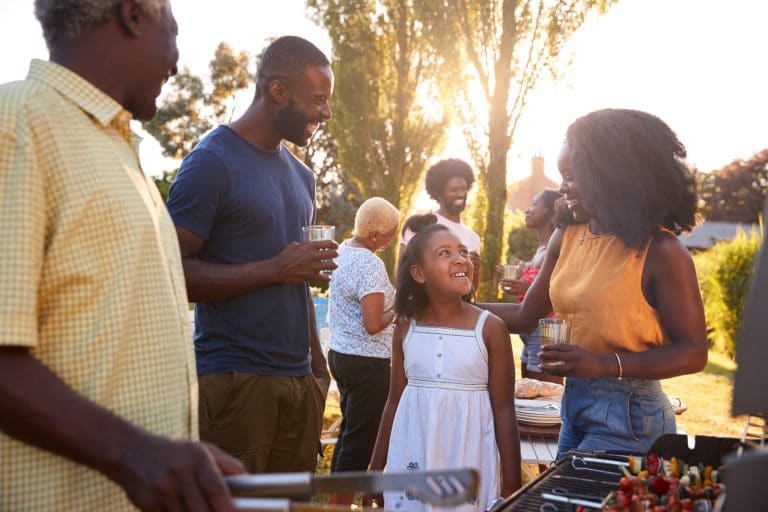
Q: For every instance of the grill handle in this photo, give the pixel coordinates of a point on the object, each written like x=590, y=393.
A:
x=274, y=484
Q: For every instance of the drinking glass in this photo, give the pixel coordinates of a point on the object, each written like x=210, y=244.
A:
x=318, y=232
x=510, y=271
x=554, y=330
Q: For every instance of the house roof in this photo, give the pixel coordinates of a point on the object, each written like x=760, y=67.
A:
x=710, y=232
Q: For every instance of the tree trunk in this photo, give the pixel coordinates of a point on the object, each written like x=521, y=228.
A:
x=495, y=181
x=495, y=185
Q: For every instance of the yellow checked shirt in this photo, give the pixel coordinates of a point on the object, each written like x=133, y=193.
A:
x=90, y=277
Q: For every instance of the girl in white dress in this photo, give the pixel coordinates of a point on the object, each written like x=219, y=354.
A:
x=451, y=395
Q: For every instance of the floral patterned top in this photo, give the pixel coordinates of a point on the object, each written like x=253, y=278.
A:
x=360, y=272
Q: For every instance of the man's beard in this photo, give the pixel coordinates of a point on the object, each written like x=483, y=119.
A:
x=292, y=125
x=454, y=208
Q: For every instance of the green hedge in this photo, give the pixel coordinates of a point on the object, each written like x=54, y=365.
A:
x=724, y=272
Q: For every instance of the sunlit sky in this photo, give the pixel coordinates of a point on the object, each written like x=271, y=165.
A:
x=697, y=64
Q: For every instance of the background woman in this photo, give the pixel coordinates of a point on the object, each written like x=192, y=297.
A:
x=540, y=215
x=619, y=273
x=361, y=333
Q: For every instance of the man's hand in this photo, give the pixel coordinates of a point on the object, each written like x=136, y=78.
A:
x=300, y=263
x=324, y=381
x=162, y=474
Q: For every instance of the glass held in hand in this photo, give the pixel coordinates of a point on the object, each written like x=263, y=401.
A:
x=510, y=271
x=318, y=232
x=554, y=330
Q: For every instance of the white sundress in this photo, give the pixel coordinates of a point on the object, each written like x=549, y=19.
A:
x=444, y=419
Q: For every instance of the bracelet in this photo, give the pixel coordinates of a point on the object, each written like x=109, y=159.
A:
x=621, y=370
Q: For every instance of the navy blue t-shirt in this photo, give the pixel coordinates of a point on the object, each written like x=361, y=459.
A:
x=248, y=203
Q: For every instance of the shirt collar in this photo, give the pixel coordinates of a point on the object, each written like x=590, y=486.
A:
x=80, y=91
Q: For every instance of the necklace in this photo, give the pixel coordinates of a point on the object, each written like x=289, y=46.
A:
x=583, y=234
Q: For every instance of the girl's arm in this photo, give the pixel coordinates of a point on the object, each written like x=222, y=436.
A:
x=501, y=387
x=375, y=317
x=525, y=316
x=671, y=279
x=397, y=382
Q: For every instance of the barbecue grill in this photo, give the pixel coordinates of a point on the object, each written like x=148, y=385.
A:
x=585, y=478
x=568, y=481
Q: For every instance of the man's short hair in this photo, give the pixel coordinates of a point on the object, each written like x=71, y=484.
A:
x=376, y=214
x=286, y=58
x=67, y=19
x=444, y=170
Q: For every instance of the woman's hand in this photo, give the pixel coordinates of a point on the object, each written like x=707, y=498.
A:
x=577, y=362
x=514, y=286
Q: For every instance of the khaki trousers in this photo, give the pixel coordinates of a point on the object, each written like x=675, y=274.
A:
x=271, y=423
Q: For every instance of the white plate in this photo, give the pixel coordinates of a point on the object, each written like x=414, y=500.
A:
x=539, y=421
x=542, y=422
x=536, y=404
x=538, y=412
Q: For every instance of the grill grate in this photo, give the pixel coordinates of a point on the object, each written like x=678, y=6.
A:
x=565, y=476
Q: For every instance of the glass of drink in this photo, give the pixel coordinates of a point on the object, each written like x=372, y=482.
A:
x=510, y=271
x=318, y=232
x=554, y=330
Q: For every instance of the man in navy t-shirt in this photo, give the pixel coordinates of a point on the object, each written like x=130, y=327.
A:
x=238, y=203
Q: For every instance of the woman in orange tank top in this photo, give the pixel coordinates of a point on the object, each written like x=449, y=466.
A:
x=617, y=271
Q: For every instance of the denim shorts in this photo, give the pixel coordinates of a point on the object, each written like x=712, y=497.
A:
x=609, y=414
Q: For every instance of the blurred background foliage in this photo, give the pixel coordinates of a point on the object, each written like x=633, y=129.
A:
x=724, y=273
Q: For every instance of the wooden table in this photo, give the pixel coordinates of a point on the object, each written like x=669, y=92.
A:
x=538, y=445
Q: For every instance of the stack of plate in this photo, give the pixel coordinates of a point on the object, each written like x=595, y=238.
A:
x=537, y=412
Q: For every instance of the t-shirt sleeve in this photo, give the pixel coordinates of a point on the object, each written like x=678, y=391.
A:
x=475, y=241
x=372, y=278
x=23, y=229
x=197, y=191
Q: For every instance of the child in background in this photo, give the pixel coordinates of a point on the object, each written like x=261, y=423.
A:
x=451, y=395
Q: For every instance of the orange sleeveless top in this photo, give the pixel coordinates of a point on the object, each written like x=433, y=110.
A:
x=596, y=284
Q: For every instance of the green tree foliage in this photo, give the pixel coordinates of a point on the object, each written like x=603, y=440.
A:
x=387, y=120
x=724, y=272
x=190, y=108
x=163, y=183
x=337, y=197
x=522, y=243
x=736, y=192
x=505, y=46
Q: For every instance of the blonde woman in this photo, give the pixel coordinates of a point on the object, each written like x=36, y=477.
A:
x=361, y=296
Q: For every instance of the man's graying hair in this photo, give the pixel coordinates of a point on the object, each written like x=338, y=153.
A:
x=67, y=19
x=285, y=59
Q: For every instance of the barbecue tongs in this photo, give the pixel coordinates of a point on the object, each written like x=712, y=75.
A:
x=260, y=492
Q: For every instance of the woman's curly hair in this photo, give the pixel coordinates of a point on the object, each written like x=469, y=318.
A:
x=632, y=174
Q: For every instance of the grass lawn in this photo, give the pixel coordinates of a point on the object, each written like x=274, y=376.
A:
x=708, y=396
